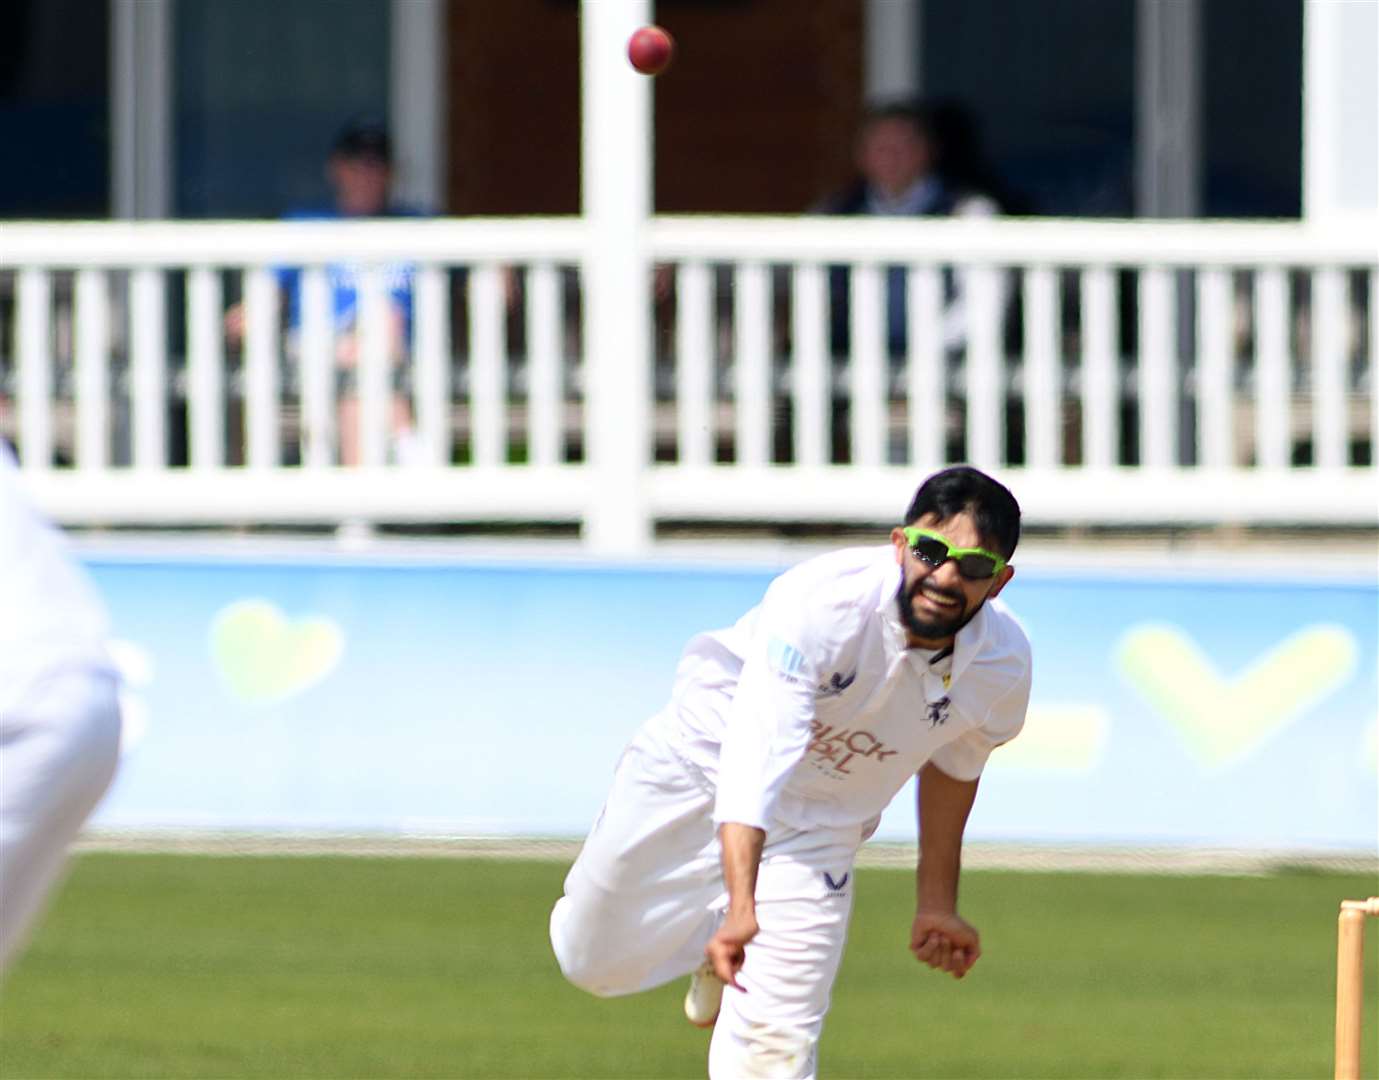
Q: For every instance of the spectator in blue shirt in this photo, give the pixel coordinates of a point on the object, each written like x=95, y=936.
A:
x=360, y=172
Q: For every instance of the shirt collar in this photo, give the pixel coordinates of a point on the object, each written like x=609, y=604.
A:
x=918, y=198
x=967, y=644
x=886, y=609
x=969, y=641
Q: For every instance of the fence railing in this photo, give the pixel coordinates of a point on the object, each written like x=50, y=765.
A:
x=797, y=370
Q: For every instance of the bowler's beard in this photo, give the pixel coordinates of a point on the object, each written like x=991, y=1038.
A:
x=935, y=629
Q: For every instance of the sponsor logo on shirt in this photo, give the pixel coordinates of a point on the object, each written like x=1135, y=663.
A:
x=835, y=751
x=784, y=657
x=938, y=712
x=836, y=887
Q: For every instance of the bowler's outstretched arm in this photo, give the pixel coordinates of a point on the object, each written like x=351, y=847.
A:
x=742, y=846
x=938, y=936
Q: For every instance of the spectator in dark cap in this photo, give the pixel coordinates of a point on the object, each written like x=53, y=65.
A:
x=362, y=138
x=359, y=169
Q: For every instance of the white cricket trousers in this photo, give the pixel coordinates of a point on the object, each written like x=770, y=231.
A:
x=58, y=749
x=646, y=894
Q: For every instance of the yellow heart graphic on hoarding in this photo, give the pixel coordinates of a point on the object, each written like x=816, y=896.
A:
x=264, y=657
x=1221, y=720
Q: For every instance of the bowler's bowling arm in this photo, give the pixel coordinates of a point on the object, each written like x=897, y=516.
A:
x=944, y=804
x=742, y=846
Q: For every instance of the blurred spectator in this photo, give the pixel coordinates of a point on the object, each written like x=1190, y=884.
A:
x=360, y=172
x=912, y=160
x=963, y=162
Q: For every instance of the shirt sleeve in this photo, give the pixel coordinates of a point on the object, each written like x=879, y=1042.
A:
x=965, y=757
x=769, y=725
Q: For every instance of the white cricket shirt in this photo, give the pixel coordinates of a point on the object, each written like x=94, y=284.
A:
x=811, y=712
x=50, y=616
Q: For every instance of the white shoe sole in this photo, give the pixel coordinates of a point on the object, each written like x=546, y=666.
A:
x=704, y=998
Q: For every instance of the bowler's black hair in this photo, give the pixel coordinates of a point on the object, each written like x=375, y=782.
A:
x=963, y=488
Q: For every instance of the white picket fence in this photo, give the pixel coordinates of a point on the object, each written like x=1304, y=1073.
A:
x=1114, y=373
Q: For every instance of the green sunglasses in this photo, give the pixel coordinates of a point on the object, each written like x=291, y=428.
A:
x=930, y=548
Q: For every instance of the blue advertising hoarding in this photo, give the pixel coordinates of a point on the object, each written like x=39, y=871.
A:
x=443, y=696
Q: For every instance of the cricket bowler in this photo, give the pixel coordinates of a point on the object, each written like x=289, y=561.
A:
x=725, y=848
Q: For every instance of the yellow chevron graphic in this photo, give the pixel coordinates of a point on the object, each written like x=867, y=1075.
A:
x=1222, y=720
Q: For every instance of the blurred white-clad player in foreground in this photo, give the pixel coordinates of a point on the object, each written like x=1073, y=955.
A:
x=736, y=812
x=59, y=714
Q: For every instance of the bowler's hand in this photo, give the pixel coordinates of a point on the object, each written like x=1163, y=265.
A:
x=727, y=949
x=945, y=942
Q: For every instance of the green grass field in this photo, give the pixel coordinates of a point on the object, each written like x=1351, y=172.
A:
x=196, y=966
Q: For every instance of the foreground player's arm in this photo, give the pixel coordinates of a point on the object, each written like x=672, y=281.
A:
x=938, y=936
x=742, y=845
x=768, y=730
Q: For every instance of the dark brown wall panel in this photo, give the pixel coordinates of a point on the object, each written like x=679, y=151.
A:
x=756, y=114
x=514, y=107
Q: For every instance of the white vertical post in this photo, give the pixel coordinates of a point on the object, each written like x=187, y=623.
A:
x=1272, y=384
x=1215, y=381
x=928, y=387
x=93, y=369
x=261, y=380
x=35, y=368
x=316, y=363
x=545, y=395
x=148, y=368
x=809, y=363
x=1340, y=101
x=867, y=384
x=752, y=363
x=1042, y=383
x=1100, y=371
x=1321, y=156
x=432, y=345
x=985, y=390
x=694, y=364
x=488, y=414
x=616, y=196
x=1158, y=368
x=417, y=99
x=376, y=363
x=1330, y=435
x=205, y=369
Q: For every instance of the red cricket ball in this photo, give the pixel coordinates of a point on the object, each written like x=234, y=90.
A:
x=650, y=50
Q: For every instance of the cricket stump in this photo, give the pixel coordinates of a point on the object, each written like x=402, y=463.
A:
x=1350, y=983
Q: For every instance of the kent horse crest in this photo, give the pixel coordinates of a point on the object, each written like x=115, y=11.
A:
x=837, y=684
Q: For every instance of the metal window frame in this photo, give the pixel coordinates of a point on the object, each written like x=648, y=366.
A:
x=140, y=108
x=142, y=102
x=418, y=101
